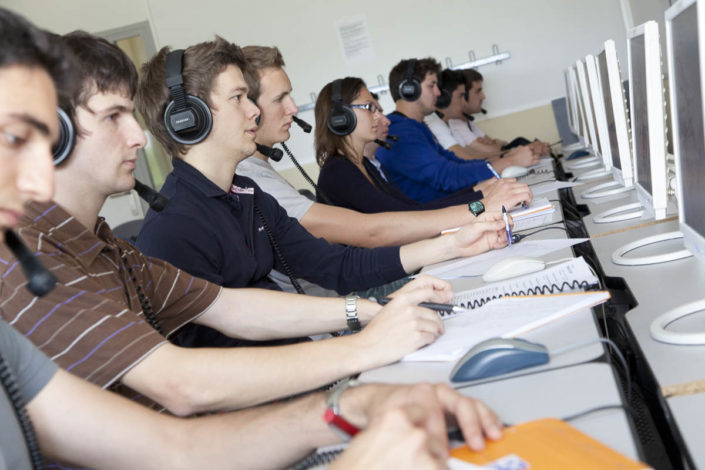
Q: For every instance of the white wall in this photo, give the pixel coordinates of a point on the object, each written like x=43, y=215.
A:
x=543, y=36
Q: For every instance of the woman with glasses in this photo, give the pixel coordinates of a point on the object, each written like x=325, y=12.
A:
x=349, y=128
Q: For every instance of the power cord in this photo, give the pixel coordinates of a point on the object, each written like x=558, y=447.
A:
x=517, y=237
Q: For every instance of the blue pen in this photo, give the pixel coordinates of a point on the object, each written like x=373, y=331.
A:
x=507, y=227
x=494, y=172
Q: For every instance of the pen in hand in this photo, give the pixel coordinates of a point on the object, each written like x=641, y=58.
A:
x=445, y=308
x=494, y=172
x=507, y=227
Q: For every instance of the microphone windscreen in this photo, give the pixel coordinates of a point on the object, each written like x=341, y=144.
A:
x=40, y=281
x=156, y=201
x=382, y=143
x=302, y=124
x=270, y=152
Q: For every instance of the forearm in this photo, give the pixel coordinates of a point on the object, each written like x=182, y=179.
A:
x=188, y=381
x=259, y=314
x=465, y=153
x=483, y=149
x=71, y=418
x=353, y=228
x=419, y=254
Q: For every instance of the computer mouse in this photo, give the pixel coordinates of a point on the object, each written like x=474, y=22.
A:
x=513, y=266
x=578, y=154
x=514, y=172
x=498, y=356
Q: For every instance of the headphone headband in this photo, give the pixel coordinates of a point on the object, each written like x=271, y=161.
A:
x=410, y=88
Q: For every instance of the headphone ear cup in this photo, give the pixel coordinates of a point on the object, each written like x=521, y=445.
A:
x=443, y=100
x=341, y=120
x=188, y=126
x=67, y=137
x=410, y=89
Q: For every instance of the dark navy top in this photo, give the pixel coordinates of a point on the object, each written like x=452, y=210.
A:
x=421, y=167
x=217, y=236
x=346, y=186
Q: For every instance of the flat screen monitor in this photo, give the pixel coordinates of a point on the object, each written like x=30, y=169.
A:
x=598, y=110
x=609, y=109
x=685, y=86
x=617, y=115
x=647, y=117
x=586, y=101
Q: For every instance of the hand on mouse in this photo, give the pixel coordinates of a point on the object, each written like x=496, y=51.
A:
x=505, y=192
x=521, y=156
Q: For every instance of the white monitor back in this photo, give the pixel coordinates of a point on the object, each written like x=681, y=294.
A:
x=684, y=22
x=618, y=122
x=570, y=103
x=598, y=108
x=580, y=109
x=647, y=117
x=588, y=115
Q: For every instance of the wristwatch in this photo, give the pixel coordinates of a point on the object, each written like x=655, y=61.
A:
x=351, y=313
x=339, y=425
x=476, y=207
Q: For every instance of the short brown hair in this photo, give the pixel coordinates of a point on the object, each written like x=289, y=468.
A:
x=471, y=76
x=258, y=58
x=326, y=143
x=22, y=43
x=421, y=69
x=102, y=67
x=202, y=63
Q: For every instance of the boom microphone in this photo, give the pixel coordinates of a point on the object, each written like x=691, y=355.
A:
x=393, y=138
x=382, y=143
x=40, y=281
x=156, y=201
x=306, y=127
x=274, y=154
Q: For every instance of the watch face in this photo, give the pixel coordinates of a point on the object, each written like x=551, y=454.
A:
x=477, y=207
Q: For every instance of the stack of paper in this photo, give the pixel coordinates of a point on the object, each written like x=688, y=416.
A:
x=506, y=317
x=539, y=212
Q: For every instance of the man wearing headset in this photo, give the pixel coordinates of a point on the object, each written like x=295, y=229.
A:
x=450, y=106
x=270, y=87
x=108, y=318
x=418, y=164
x=70, y=417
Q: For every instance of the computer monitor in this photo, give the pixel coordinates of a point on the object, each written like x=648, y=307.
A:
x=570, y=103
x=685, y=65
x=617, y=114
x=647, y=117
x=588, y=115
x=599, y=112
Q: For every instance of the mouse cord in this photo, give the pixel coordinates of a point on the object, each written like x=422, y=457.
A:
x=616, y=351
x=520, y=236
x=628, y=409
x=541, y=182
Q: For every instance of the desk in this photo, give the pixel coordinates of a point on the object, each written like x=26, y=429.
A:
x=569, y=384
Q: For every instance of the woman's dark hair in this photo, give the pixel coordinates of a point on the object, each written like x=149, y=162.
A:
x=22, y=43
x=326, y=143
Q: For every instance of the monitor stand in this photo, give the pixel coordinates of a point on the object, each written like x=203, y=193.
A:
x=618, y=257
x=573, y=147
x=585, y=162
x=606, y=189
x=658, y=326
x=618, y=214
x=593, y=174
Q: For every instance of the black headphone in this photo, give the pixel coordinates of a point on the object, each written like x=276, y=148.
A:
x=67, y=137
x=341, y=119
x=444, y=99
x=187, y=118
x=410, y=88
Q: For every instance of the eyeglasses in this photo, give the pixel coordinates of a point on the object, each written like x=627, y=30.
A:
x=371, y=107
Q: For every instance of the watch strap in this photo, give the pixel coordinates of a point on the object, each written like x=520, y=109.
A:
x=351, y=313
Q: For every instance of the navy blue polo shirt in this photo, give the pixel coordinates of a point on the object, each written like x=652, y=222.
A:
x=217, y=236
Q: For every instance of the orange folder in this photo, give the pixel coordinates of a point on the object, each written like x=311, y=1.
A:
x=547, y=444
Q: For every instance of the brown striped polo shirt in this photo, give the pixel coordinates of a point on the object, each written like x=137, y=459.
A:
x=92, y=323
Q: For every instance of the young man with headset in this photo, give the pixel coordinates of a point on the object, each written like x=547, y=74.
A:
x=270, y=87
x=450, y=106
x=222, y=226
x=57, y=415
x=468, y=134
x=418, y=164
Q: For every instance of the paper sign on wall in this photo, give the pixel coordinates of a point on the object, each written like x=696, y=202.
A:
x=355, y=40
